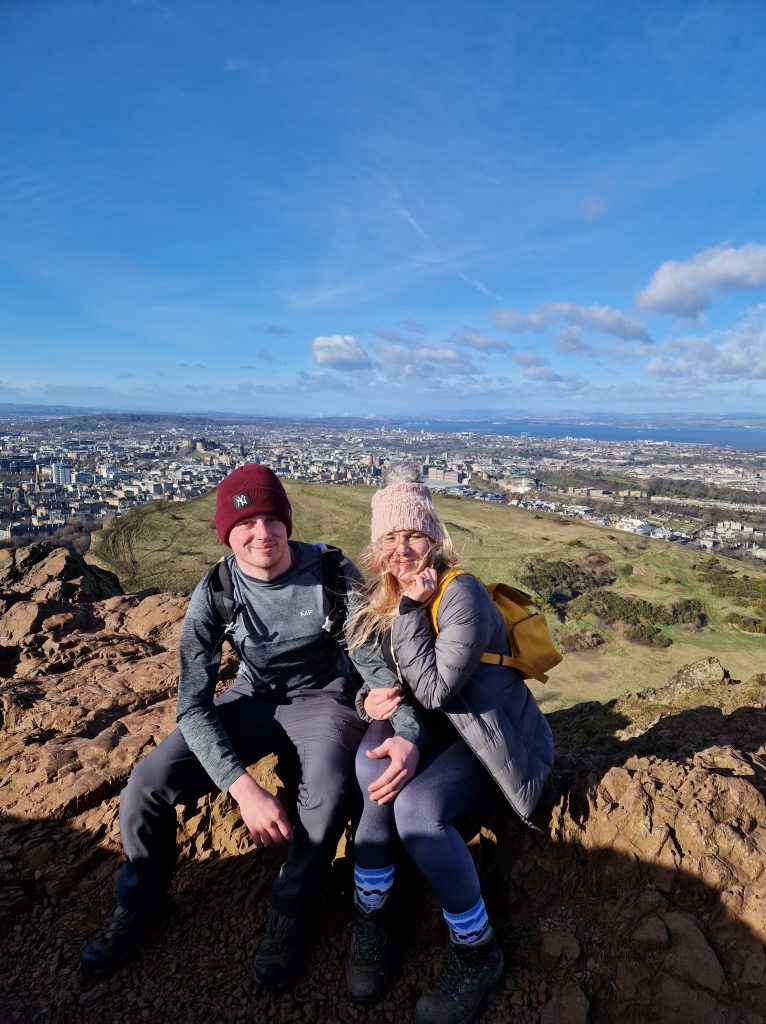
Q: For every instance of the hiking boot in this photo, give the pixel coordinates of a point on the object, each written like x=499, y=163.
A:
x=368, y=962
x=469, y=973
x=118, y=939
x=280, y=953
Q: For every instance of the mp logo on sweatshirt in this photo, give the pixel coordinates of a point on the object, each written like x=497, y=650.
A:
x=241, y=500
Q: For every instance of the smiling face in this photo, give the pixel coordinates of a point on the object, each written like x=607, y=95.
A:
x=406, y=552
x=260, y=547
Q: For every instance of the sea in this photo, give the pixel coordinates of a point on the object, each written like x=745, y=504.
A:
x=745, y=438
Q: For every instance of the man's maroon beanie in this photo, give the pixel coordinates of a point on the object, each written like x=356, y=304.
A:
x=247, y=492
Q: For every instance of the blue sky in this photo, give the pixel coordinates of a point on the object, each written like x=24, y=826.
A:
x=421, y=208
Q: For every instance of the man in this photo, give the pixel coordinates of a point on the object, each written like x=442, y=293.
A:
x=293, y=693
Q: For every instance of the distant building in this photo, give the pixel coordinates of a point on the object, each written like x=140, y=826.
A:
x=60, y=474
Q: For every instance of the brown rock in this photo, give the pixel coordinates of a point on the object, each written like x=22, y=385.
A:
x=558, y=946
x=676, y=1002
x=569, y=1005
x=690, y=958
x=651, y=934
x=20, y=621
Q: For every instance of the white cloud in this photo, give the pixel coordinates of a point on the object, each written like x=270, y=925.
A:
x=686, y=287
x=391, y=352
x=735, y=355
x=598, y=318
x=340, y=351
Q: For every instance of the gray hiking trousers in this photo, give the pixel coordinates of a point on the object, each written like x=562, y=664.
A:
x=319, y=727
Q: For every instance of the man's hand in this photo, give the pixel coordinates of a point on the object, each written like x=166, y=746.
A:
x=404, y=762
x=381, y=703
x=263, y=814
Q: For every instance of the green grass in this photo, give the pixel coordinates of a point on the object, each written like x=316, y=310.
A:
x=170, y=545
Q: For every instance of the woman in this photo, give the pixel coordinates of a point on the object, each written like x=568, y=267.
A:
x=476, y=723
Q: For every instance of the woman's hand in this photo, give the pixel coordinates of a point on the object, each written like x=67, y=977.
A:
x=381, y=703
x=404, y=762
x=422, y=585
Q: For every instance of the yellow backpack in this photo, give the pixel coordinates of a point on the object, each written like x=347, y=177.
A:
x=532, y=650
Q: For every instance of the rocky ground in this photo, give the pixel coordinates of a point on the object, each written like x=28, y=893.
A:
x=642, y=899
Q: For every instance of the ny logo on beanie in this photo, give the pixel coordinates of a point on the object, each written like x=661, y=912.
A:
x=241, y=500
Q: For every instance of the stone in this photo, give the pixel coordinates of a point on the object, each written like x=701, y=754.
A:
x=559, y=945
x=676, y=1002
x=650, y=935
x=568, y=1005
x=690, y=957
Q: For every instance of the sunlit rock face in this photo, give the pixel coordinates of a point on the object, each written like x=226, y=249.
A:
x=642, y=898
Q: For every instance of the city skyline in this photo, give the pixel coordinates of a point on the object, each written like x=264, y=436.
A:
x=409, y=209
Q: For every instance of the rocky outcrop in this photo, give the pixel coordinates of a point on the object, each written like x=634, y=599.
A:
x=642, y=898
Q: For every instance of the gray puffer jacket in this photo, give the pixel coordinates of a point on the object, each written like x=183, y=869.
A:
x=490, y=706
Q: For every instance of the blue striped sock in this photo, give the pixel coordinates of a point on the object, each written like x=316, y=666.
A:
x=469, y=927
x=372, y=884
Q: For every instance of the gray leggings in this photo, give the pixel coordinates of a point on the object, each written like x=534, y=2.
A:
x=449, y=782
x=319, y=727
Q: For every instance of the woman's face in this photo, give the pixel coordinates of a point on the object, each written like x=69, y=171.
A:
x=406, y=552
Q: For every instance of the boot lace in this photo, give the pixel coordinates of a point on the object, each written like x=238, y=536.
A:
x=369, y=938
x=119, y=922
x=278, y=931
x=458, y=971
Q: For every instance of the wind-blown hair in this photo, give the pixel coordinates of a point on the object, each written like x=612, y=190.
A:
x=376, y=604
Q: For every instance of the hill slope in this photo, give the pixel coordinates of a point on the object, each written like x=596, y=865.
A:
x=169, y=546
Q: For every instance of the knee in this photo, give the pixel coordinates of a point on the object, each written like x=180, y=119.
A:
x=410, y=813
x=327, y=782
x=367, y=768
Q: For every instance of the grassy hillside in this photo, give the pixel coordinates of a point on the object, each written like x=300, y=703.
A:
x=169, y=546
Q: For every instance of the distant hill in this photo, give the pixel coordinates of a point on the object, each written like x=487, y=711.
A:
x=169, y=546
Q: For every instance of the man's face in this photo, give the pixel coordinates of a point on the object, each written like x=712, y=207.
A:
x=260, y=547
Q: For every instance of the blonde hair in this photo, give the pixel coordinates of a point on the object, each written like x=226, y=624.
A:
x=379, y=597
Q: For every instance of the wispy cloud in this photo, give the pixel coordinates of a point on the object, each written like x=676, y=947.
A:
x=275, y=329
x=479, y=286
x=431, y=248
x=339, y=351
x=593, y=210
x=686, y=287
x=570, y=342
x=414, y=327
x=597, y=318
x=263, y=356
x=388, y=335
x=479, y=340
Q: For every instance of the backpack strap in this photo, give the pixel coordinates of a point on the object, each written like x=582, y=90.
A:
x=221, y=588
x=335, y=587
x=432, y=607
x=432, y=610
